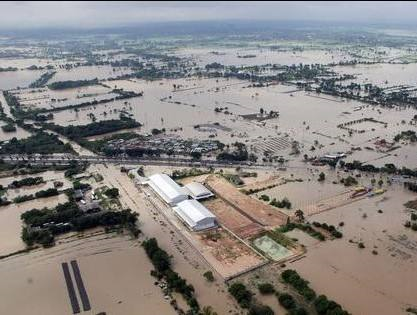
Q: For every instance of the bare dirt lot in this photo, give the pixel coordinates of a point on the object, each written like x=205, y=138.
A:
x=257, y=211
x=231, y=257
x=232, y=219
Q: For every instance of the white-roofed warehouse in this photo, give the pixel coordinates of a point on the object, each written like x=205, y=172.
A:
x=198, y=191
x=167, y=189
x=195, y=215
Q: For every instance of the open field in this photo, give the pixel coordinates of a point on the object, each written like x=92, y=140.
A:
x=231, y=218
x=255, y=210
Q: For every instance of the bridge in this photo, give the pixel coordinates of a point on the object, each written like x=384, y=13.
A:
x=48, y=159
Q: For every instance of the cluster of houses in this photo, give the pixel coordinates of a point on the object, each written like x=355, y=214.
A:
x=164, y=144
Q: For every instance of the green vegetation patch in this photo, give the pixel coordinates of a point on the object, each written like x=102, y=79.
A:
x=41, y=142
x=94, y=129
x=303, y=227
x=61, y=85
x=29, y=181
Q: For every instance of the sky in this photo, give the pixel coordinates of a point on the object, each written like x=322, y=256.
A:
x=92, y=14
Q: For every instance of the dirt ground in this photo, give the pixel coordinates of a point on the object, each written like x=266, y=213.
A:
x=232, y=219
x=231, y=257
x=257, y=211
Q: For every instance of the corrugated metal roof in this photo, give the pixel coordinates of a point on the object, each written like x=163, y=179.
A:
x=193, y=212
x=167, y=186
x=198, y=190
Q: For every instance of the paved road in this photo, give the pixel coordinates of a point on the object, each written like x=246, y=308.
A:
x=65, y=159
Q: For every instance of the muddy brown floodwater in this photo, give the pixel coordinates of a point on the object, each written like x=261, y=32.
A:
x=362, y=282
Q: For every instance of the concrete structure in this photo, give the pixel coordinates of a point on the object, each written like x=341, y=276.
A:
x=93, y=206
x=78, y=195
x=133, y=173
x=195, y=215
x=198, y=191
x=167, y=189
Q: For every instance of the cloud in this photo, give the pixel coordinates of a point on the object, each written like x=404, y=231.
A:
x=32, y=14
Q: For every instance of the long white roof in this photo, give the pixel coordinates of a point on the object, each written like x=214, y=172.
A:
x=198, y=190
x=193, y=212
x=165, y=184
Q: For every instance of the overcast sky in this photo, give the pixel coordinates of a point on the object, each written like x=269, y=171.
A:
x=27, y=14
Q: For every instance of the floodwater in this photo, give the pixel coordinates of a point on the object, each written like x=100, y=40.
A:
x=115, y=272
x=41, y=98
x=49, y=177
x=18, y=134
x=89, y=73
x=11, y=225
x=384, y=283
x=15, y=79
x=230, y=56
x=194, y=103
x=384, y=75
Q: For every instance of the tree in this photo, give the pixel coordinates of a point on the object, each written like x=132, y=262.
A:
x=209, y=276
x=299, y=311
x=259, y=309
x=208, y=310
x=322, y=177
x=112, y=192
x=299, y=214
x=266, y=288
x=287, y=301
x=196, y=155
x=241, y=294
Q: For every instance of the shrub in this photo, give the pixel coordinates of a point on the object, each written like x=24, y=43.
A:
x=266, y=288
x=287, y=301
x=293, y=278
x=264, y=198
x=241, y=294
x=209, y=276
x=259, y=309
x=324, y=306
x=112, y=192
x=298, y=311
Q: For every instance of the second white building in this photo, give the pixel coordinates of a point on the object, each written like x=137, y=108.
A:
x=195, y=215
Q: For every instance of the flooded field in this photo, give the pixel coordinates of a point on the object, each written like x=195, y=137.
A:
x=49, y=99
x=89, y=73
x=11, y=224
x=39, y=272
x=251, y=57
x=359, y=270
x=386, y=75
x=16, y=79
x=180, y=110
